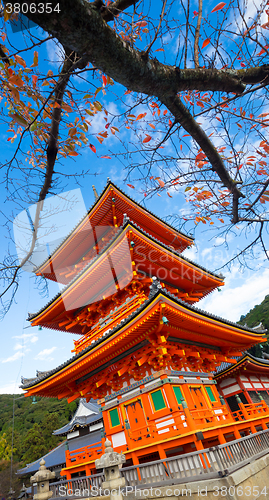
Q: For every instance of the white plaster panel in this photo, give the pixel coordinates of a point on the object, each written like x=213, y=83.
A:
x=96, y=426
x=71, y=435
x=266, y=385
x=165, y=422
x=258, y=386
x=254, y=378
x=233, y=388
x=265, y=379
x=118, y=439
x=228, y=381
x=243, y=378
x=163, y=431
x=247, y=385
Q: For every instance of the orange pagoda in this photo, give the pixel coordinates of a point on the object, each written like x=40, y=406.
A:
x=144, y=350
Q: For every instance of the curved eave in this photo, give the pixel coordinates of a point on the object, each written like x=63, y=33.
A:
x=220, y=332
x=204, y=280
x=174, y=237
x=247, y=361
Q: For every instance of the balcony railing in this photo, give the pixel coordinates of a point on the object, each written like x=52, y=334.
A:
x=218, y=461
x=82, y=455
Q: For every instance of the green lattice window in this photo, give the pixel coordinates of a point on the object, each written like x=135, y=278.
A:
x=178, y=394
x=158, y=400
x=210, y=394
x=114, y=417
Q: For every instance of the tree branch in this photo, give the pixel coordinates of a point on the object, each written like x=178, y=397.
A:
x=197, y=35
x=183, y=116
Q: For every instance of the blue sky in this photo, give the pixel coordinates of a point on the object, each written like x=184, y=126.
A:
x=26, y=349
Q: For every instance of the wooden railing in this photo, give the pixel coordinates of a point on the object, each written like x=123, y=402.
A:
x=118, y=313
x=87, y=486
x=218, y=461
x=249, y=411
x=82, y=455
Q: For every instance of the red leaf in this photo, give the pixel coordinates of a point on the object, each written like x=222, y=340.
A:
x=92, y=147
x=205, y=43
x=142, y=115
x=147, y=138
x=20, y=60
x=130, y=185
x=169, y=195
x=218, y=7
x=104, y=80
x=108, y=157
x=141, y=24
x=160, y=182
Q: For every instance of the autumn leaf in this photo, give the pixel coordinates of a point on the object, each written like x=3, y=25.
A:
x=92, y=147
x=108, y=157
x=218, y=7
x=104, y=80
x=130, y=185
x=147, y=138
x=205, y=43
x=16, y=80
x=20, y=61
x=72, y=153
x=142, y=115
x=34, y=79
x=160, y=182
x=141, y=24
x=169, y=195
x=35, y=63
x=67, y=108
x=19, y=119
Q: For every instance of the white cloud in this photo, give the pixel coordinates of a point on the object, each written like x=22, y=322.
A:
x=10, y=388
x=31, y=337
x=44, y=355
x=17, y=355
x=233, y=301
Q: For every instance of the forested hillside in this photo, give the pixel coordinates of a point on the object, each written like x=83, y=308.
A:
x=34, y=421
x=259, y=314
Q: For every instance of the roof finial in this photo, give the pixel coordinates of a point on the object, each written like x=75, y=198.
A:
x=95, y=192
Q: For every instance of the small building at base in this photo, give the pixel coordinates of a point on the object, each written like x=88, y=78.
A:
x=248, y=379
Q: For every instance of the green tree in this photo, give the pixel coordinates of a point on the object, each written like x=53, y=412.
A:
x=5, y=448
x=34, y=445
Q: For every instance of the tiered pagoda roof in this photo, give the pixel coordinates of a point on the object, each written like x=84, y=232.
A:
x=163, y=331
x=124, y=268
x=96, y=228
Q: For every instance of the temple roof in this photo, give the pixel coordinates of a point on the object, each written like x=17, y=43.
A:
x=106, y=212
x=247, y=363
x=96, y=281
x=195, y=326
x=56, y=457
x=87, y=413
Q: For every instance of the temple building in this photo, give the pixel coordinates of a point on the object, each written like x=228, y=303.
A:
x=145, y=351
x=248, y=379
x=83, y=430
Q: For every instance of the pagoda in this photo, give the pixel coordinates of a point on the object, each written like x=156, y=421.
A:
x=144, y=350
